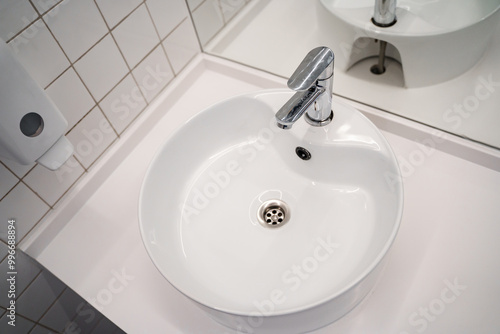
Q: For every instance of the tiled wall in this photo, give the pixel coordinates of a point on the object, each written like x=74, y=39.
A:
x=102, y=62
x=210, y=16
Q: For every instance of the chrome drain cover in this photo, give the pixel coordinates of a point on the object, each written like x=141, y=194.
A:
x=273, y=213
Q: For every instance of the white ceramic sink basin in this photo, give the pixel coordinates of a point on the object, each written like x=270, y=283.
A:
x=199, y=209
x=434, y=41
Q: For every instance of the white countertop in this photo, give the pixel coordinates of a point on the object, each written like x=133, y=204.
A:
x=442, y=276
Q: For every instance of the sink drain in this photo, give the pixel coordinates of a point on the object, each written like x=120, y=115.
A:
x=273, y=213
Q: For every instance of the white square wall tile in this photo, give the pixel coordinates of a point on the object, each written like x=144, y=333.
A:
x=25, y=207
x=136, y=36
x=167, y=14
x=181, y=45
x=153, y=74
x=102, y=67
x=14, y=16
x=39, y=53
x=71, y=97
x=91, y=137
x=115, y=10
x=51, y=185
x=44, y=290
x=123, y=104
x=7, y=180
x=77, y=25
x=208, y=20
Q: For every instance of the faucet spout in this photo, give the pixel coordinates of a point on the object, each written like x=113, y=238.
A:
x=313, y=81
x=298, y=104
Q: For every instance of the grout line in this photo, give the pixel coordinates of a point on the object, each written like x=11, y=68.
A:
x=55, y=300
x=20, y=178
x=15, y=184
x=133, y=120
x=74, y=69
x=131, y=73
x=159, y=38
x=187, y=63
x=76, y=313
x=175, y=28
x=194, y=25
x=84, y=115
x=34, y=226
x=6, y=255
x=97, y=322
x=189, y=60
x=40, y=197
x=46, y=10
x=58, y=76
x=87, y=51
x=71, y=186
x=36, y=19
x=96, y=104
x=81, y=164
x=102, y=319
x=102, y=153
x=222, y=14
x=72, y=64
x=8, y=192
x=126, y=63
x=44, y=327
x=224, y=22
x=123, y=19
x=30, y=320
x=29, y=284
x=199, y=5
x=106, y=117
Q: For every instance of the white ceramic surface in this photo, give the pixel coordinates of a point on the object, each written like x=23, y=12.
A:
x=200, y=197
x=434, y=41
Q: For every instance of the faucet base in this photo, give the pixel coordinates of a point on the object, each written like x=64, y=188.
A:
x=384, y=25
x=314, y=122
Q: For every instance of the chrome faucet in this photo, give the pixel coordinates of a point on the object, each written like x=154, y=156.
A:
x=313, y=81
x=384, y=14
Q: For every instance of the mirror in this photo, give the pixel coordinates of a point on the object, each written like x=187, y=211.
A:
x=275, y=35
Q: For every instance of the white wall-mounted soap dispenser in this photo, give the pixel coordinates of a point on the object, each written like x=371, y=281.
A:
x=31, y=127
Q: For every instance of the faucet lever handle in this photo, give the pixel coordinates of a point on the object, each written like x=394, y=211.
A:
x=317, y=65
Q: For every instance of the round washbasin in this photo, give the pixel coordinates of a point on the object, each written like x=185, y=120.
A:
x=419, y=17
x=270, y=230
